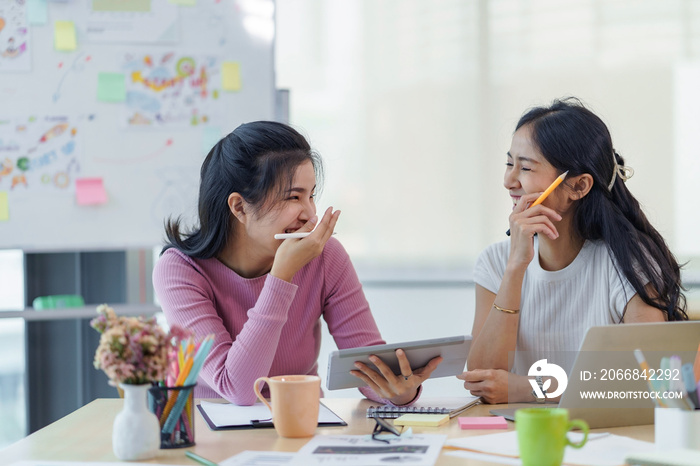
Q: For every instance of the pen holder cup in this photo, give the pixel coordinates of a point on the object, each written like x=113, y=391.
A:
x=676, y=428
x=174, y=408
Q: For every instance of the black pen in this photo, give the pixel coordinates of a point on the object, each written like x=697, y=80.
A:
x=199, y=459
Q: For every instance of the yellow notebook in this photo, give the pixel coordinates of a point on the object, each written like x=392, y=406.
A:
x=423, y=420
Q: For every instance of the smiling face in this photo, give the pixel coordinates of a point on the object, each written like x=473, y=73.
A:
x=288, y=214
x=527, y=171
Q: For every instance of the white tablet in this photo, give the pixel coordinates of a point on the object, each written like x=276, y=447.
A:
x=453, y=350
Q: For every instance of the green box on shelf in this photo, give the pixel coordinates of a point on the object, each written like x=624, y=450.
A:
x=57, y=301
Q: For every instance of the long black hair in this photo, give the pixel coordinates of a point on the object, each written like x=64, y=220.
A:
x=258, y=160
x=573, y=138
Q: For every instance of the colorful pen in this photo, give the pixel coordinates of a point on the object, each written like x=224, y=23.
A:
x=677, y=384
x=547, y=192
x=665, y=367
x=199, y=459
x=667, y=383
x=676, y=381
x=689, y=382
x=639, y=356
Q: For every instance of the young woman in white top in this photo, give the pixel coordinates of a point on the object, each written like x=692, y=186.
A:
x=586, y=256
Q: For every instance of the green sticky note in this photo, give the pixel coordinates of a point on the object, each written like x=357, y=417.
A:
x=137, y=6
x=4, y=208
x=64, y=36
x=210, y=136
x=111, y=87
x=37, y=11
x=231, y=76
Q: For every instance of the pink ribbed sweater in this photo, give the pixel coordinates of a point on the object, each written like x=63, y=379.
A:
x=264, y=326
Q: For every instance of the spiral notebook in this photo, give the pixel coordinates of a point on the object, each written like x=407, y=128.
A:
x=451, y=406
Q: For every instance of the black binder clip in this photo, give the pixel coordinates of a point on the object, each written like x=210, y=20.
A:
x=261, y=423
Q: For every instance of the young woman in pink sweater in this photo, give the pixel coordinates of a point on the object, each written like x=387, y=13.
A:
x=261, y=297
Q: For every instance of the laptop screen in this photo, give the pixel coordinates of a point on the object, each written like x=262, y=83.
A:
x=605, y=385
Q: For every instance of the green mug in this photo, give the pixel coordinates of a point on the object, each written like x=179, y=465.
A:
x=542, y=435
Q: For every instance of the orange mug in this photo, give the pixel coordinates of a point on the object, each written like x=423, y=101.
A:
x=295, y=402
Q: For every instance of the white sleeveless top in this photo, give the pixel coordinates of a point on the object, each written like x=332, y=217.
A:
x=557, y=308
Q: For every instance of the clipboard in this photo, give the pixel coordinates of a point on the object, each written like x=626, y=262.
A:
x=227, y=416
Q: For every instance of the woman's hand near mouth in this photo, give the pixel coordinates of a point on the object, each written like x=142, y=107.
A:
x=293, y=254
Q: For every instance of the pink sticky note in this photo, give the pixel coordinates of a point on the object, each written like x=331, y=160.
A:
x=487, y=422
x=90, y=191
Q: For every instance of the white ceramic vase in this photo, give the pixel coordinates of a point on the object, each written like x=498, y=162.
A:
x=136, y=433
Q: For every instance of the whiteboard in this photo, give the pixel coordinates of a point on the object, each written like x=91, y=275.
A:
x=64, y=128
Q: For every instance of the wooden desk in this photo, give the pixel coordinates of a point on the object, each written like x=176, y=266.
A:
x=86, y=435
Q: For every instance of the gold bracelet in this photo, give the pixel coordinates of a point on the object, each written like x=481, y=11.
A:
x=507, y=311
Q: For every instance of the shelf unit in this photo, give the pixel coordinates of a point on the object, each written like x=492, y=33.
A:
x=59, y=343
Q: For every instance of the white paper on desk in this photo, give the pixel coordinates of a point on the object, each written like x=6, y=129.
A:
x=361, y=450
x=260, y=458
x=227, y=414
x=504, y=443
x=610, y=450
x=472, y=455
x=602, y=449
x=76, y=463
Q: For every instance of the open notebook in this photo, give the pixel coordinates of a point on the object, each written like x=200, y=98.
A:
x=453, y=406
x=224, y=416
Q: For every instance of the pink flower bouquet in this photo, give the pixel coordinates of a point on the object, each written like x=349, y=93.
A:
x=132, y=350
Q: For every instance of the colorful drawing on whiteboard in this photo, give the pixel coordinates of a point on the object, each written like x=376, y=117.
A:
x=174, y=197
x=77, y=66
x=138, y=158
x=169, y=90
x=39, y=154
x=129, y=22
x=14, y=36
x=213, y=13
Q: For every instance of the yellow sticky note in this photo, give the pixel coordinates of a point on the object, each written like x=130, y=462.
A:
x=423, y=420
x=64, y=36
x=4, y=208
x=231, y=76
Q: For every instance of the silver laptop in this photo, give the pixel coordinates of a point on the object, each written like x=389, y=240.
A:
x=605, y=364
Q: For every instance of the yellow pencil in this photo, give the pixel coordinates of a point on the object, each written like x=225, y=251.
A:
x=547, y=192
x=180, y=357
x=190, y=347
x=173, y=393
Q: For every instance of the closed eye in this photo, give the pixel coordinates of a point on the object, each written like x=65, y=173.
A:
x=525, y=169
